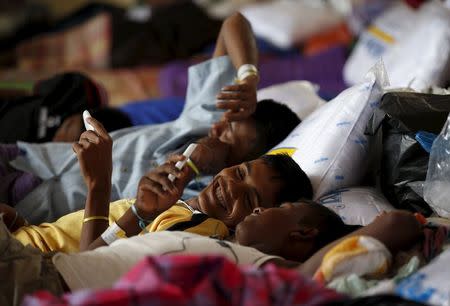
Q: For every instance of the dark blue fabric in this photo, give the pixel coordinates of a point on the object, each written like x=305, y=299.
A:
x=154, y=110
x=264, y=47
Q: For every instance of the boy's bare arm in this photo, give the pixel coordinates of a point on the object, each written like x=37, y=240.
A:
x=397, y=230
x=156, y=193
x=94, y=153
x=236, y=40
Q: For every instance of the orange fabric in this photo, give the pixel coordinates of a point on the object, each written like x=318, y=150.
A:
x=339, y=35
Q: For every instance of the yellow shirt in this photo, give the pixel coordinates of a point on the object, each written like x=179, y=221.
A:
x=64, y=234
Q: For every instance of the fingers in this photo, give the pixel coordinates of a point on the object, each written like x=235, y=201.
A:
x=158, y=177
x=149, y=184
x=173, y=158
x=232, y=105
x=99, y=128
x=77, y=148
x=239, y=100
x=236, y=116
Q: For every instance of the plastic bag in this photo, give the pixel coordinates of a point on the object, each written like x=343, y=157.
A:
x=300, y=96
x=330, y=144
x=404, y=161
x=430, y=284
x=437, y=184
x=285, y=23
x=414, y=44
x=356, y=205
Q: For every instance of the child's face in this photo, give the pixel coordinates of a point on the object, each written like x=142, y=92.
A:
x=236, y=191
x=270, y=230
x=241, y=136
x=70, y=130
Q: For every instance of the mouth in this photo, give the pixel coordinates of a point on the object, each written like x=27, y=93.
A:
x=219, y=194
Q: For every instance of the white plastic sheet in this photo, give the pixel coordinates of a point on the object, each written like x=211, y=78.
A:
x=436, y=189
x=414, y=45
x=357, y=205
x=330, y=144
x=300, y=96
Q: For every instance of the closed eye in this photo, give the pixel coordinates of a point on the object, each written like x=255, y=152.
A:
x=239, y=173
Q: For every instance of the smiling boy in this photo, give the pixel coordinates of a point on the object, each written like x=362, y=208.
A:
x=248, y=130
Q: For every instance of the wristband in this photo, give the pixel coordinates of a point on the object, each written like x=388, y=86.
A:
x=194, y=168
x=95, y=218
x=112, y=233
x=142, y=222
x=245, y=71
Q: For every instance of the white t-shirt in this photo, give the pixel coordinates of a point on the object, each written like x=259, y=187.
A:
x=102, y=267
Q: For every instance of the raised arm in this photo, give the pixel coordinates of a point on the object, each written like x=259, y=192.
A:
x=155, y=194
x=236, y=40
x=94, y=153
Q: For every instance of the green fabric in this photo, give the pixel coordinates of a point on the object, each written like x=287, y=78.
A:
x=355, y=285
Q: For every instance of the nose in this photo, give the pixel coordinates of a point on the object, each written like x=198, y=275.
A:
x=258, y=210
x=237, y=189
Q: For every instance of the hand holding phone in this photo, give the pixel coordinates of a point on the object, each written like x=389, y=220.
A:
x=180, y=164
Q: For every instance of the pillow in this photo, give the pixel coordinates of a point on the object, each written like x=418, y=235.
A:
x=330, y=145
x=358, y=205
x=300, y=96
x=414, y=44
x=283, y=23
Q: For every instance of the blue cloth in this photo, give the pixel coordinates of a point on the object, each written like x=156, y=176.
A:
x=135, y=150
x=264, y=47
x=154, y=111
x=425, y=139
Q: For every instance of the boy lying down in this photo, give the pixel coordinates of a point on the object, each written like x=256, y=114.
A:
x=245, y=195
x=249, y=130
x=232, y=195
x=296, y=235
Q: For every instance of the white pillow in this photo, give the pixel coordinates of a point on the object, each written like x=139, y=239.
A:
x=283, y=23
x=300, y=96
x=358, y=205
x=330, y=145
x=414, y=44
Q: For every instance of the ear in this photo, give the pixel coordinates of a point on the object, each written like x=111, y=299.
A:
x=304, y=233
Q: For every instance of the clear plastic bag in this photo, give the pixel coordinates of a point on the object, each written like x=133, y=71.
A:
x=437, y=184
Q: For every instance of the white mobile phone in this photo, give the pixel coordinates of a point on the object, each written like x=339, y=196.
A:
x=180, y=164
x=86, y=115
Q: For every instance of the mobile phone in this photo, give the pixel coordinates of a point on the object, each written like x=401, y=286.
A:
x=86, y=115
x=180, y=164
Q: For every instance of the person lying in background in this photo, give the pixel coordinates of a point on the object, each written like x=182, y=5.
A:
x=294, y=235
x=53, y=175
x=233, y=194
x=53, y=111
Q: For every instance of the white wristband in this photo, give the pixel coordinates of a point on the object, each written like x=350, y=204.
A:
x=245, y=70
x=112, y=233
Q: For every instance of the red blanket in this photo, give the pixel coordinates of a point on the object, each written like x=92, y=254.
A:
x=194, y=280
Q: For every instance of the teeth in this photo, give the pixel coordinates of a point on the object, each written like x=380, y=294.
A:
x=219, y=195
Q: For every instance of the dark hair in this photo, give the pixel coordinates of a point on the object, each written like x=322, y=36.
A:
x=296, y=183
x=274, y=121
x=330, y=225
x=111, y=118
